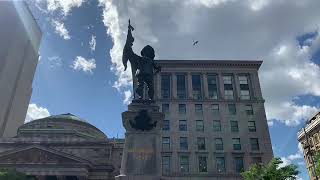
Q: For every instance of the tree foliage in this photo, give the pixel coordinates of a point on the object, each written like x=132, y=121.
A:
x=11, y=174
x=272, y=171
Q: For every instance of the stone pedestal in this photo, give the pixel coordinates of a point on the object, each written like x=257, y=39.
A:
x=141, y=154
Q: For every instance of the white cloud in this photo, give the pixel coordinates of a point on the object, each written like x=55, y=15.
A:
x=54, y=61
x=64, y=6
x=36, y=112
x=127, y=97
x=227, y=29
x=60, y=29
x=93, y=43
x=80, y=63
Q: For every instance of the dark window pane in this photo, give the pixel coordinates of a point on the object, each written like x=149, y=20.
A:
x=181, y=86
x=166, y=143
x=216, y=126
x=165, y=86
x=184, y=164
x=183, y=143
x=166, y=164
x=249, y=110
x=196, y=87
x=244, y=87
x=166, y=125
x=252, y=126
x=212, y=87
x=165, y=108
x=232, y=109
x=236, y=144
x=198, y=108
x=254, y=144
x=215, y=108
x=199, y=125
x=201, y=143
x=219, y=143
x=183, y=125
x=239, y=164
x=220, y=164
x=182, y=109
x=228, y=87
x=202, y=164
x=234, y=126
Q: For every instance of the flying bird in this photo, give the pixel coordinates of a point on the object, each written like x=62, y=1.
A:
x=195, y=42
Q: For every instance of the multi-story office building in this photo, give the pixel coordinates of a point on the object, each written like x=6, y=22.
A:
x=19, y=43
x=309, y=137
x=215, y=124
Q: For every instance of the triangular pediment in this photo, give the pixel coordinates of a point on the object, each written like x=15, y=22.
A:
x=38, y=155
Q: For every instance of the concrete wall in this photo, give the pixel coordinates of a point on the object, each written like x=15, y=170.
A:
x=20, y=39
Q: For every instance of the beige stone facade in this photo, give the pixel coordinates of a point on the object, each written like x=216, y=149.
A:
x=62, y=147
x=309, y=137
x=20, y=38
x=215, y=122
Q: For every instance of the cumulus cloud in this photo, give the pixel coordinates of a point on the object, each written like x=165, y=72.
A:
x=93, y=43
x=127, y=97
x=54, y=61
x=227, y=29
x=36, y=112
x=64, y=6
x=85, y=65
x=60, y=29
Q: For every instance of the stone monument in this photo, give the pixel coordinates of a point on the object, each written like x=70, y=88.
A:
x=143, y=121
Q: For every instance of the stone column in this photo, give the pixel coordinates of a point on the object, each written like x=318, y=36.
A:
x=174, y=86
x=189, y=86
x=141, y=155
x=205, y=86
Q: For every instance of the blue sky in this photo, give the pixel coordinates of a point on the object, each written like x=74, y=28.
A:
x=80, y=70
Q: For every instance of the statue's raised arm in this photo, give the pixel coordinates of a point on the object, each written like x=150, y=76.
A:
x=143, y=67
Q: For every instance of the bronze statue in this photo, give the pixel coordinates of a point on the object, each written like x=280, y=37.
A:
x=143, y=67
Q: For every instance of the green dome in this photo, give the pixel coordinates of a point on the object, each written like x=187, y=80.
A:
x=64, y=125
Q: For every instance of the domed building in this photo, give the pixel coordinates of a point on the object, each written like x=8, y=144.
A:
x=62, y=147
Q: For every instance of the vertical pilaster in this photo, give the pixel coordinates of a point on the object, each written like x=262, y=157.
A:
x=189, y=84
x=205, y=86
x=174, y=86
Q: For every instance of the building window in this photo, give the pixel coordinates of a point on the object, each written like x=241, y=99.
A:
x=165, y=143
x=252, y=126
x=166, y=125
x=196, y=87
x=234, y=126
x=236, y=143
x=232, y=109
x=219, y=143
x=217, y=126
x=198, y=108
x=203, y=164
x=183, y=125
x=182, y=109
x=249, y=110
x=199, y=125
x=221, y=167
x=183, y=143
x=212, y=87
x=228, y=87
x=201, y=143
x=181, y=87
x=184, y=164
x=244, y=87
x=165, y=108
x=215, y=108
x=239, y=164
x=254, y=144
x=256, y=160
x=165, y=86
x=166, y=163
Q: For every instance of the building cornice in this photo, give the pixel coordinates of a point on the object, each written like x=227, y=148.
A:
x=312, y=124
x=254, y=64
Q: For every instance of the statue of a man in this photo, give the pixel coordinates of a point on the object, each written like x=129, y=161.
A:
x=143, y=67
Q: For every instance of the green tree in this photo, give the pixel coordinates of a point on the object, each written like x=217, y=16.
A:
x=11, y=174
x=271, y=171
